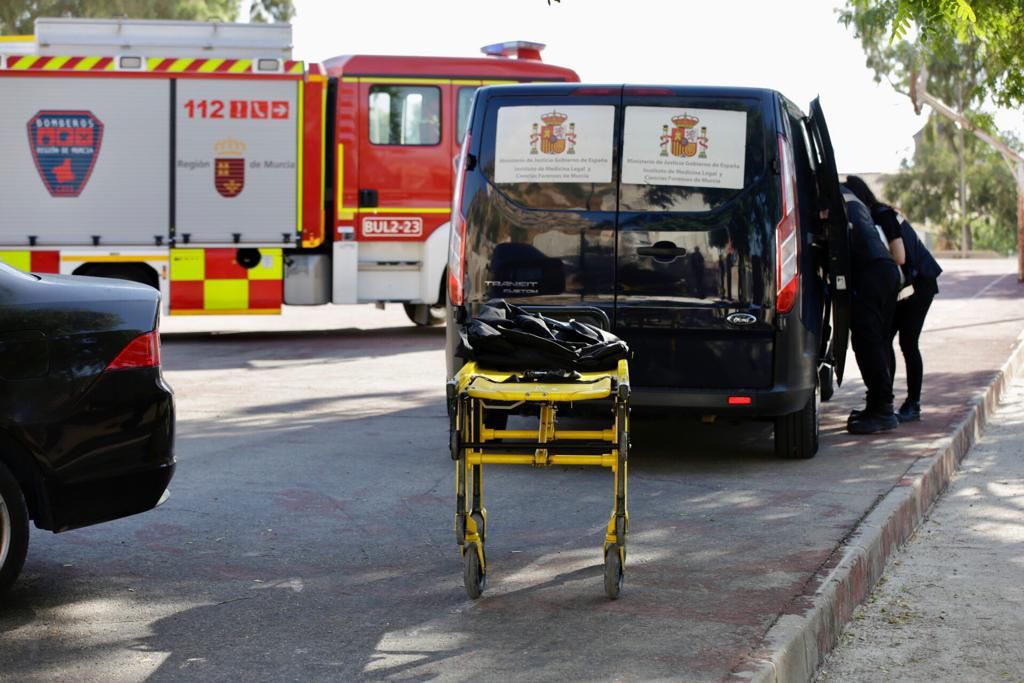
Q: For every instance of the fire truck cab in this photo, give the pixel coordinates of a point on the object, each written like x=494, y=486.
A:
x=398, y=125
x=200, y=158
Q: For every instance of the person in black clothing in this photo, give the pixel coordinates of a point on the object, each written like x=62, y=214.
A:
x=920, y=274
x=875, y=278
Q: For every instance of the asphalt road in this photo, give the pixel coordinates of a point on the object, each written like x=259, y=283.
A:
x=309, y=533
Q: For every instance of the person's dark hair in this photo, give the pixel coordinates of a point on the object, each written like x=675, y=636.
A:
x=857, y=186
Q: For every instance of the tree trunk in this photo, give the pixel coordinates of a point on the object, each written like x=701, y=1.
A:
x=961, y=152
x=1019, y=175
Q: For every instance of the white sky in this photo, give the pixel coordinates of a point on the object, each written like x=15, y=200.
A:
x=797, y=47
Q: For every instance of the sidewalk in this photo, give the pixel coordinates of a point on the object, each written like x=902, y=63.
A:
x=949, y=606
x=973, y=349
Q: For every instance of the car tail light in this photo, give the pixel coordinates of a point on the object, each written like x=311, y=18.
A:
x=141, y=352
x=740, y=400
x=457, y=241
x=787, y=237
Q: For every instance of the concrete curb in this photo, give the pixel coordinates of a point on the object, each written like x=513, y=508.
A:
x=796, y=644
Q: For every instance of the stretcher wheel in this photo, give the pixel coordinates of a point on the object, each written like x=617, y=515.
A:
x=473, y=576
x=481, y=526
x=612, y=573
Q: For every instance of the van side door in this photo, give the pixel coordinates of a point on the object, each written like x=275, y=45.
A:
x=830, y=199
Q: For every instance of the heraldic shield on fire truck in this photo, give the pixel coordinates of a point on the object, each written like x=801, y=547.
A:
x=200, y=159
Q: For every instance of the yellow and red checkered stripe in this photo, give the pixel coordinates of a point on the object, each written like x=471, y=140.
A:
x=32, y=261
x=153, y=64
x=211, y=281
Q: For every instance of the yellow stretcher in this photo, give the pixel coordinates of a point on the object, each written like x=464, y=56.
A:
x=475, y=394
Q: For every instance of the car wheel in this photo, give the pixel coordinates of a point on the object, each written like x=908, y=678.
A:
x=796, y=434
x=434, y=314
x=13, y=528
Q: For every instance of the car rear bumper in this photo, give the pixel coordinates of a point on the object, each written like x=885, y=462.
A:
x=91, y=502
x=764, y=403
x=116, y=452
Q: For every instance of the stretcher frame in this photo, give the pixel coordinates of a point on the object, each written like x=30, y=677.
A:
x=474, y=393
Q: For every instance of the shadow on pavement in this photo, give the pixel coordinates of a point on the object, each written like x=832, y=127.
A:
x=309, y=533
x=229, y=351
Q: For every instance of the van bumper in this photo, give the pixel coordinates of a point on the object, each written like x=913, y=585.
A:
x=772, y=402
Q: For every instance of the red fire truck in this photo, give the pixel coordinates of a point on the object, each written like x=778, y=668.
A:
x=201, y=159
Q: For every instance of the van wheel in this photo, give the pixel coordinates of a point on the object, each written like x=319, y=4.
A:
x=425, y=315
x=13, y=528
x=796, y=434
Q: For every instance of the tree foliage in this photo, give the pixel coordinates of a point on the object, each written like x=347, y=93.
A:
x=927, y=191
x=17, y=17
x=961, y=71
x=995, y=26
x=269, y=11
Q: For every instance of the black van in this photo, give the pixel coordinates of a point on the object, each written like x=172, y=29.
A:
x=684, y=218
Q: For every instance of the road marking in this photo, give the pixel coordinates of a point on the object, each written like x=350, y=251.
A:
x=992, y=284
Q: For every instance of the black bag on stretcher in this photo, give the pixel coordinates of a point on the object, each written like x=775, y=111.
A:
x=517, y=359
x=507, y=337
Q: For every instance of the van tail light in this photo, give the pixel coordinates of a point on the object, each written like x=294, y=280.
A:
x=787, y=237
x=141, y=352
x=590, y=91
x=457, y=240
x=648, y=92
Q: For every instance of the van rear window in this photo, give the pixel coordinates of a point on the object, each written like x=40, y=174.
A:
x=679, y=158
x=555, y=157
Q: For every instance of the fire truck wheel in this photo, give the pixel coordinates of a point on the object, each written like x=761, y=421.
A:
x=424, y=315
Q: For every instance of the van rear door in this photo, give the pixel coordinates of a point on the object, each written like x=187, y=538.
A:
x=830, y=197
x=698, y=207
x=541, y=205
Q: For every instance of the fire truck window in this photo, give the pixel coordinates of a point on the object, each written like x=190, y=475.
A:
x=405, y=115
x=465, y=104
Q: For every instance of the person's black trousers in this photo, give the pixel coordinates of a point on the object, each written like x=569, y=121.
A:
x=872, y=307
x=907, y=322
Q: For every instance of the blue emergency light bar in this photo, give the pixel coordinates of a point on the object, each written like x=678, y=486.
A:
x=522, y=49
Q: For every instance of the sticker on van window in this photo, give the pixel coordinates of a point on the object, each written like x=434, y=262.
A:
x=684, y=147
x=554, y=144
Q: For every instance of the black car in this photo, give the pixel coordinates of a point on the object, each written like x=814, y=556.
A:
x=688, y=217
x=86, y=419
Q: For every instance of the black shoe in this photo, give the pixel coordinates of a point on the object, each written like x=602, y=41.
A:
x=909, y=412
x=872, y=423
x=856, y=415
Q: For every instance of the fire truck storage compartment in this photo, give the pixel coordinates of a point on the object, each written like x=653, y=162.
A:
x=236, y=171
x=84, y=157
x=390, y=271
x=86, y=161
x=307, y=279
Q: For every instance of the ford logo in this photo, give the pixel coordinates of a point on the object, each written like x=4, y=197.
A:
x=740, y=319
